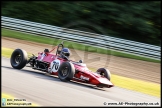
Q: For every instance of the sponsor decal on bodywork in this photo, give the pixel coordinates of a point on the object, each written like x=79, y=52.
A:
x=84, y=78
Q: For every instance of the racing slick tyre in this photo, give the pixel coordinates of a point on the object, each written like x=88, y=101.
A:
x=18, y=58
x=66, y=71
x=104, y=72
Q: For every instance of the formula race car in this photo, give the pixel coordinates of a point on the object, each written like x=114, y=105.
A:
x=60, y=65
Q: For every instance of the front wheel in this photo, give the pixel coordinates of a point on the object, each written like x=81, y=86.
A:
x=104, y=72
x=66, y=71
x=18, y=58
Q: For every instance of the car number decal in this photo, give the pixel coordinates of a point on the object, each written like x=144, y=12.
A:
x=55, y=65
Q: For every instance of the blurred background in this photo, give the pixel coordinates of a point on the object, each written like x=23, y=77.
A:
x=133, y=20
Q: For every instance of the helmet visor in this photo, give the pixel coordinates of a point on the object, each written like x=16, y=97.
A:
x=66, y=54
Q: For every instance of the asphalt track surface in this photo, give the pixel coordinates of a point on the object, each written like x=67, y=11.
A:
x=45, y=90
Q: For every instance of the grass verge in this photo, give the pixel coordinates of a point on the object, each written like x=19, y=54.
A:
x=69, y=44
x=123, y=82
x=137, y=85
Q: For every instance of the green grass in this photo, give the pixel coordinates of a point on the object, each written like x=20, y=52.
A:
x=69, y=44
x=123, y=82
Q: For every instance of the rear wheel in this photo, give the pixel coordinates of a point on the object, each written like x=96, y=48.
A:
x=66, y=71
x=104, y=72
x=18, y=58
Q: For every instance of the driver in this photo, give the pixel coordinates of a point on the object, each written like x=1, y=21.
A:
x=65, y=53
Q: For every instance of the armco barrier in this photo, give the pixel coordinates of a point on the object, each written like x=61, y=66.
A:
x=88, y=38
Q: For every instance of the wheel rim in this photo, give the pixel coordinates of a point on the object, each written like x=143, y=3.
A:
x=64, y=71
x=102, y=74
x=18, y=59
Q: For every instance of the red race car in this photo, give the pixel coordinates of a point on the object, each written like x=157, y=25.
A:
x=60, y=65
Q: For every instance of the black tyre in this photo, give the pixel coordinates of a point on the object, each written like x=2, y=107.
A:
x=104, y=72
x=66, y=71
x=18, y=58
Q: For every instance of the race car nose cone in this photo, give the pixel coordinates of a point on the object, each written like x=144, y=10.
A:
x=105, y=81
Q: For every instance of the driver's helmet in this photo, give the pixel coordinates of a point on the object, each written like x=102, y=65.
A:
x=65, y=52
